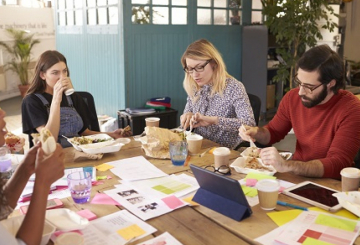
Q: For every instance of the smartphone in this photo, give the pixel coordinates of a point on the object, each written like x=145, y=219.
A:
x=52, y=203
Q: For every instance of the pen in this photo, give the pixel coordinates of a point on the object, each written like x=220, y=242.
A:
x=291, y=205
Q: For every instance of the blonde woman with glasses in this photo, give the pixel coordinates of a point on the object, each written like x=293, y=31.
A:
x=217, y=104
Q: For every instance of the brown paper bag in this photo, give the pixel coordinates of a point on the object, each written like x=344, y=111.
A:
x=156, y=142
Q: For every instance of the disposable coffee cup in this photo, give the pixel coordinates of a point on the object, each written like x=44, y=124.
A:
x=194, y=143
x=69, y=91
x=268, y=191
x=221, y=157
x=350, y=179
x=152, y=121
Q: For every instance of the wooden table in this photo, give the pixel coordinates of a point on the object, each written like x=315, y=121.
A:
x=197, y=224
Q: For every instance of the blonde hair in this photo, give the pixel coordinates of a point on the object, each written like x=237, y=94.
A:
x=204, y=50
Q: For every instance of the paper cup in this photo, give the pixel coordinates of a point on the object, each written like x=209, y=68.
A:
x=69, y=91
x=152, y=121
x=221, y=157
x=268, y=191
x=350, y=179
x=194, y=143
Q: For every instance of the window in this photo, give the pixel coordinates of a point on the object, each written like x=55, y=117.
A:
x=218, y=12
x=159, y=12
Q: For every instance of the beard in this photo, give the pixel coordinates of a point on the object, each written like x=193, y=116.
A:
x=315, y=101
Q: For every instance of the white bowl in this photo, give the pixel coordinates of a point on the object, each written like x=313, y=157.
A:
x=13, y=225
x=240, y=163
x=350, y=201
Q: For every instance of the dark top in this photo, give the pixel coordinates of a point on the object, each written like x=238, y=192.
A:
x=35, y=114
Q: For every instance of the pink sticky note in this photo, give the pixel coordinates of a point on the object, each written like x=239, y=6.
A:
x=102, y=198
x=251, y=182
x=282, y=188
x=172, y=202
x=87, y=214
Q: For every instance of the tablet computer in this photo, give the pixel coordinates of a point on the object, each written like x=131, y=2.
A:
x=314, y=194
x=221, y=194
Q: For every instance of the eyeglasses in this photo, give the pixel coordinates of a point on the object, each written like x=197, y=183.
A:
x=308, y=89
x=199, y=68
x=223, y=169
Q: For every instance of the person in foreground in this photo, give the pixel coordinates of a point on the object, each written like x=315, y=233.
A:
x=325, y=119
x=46, y=104
x=47, y=169
x=217, y=104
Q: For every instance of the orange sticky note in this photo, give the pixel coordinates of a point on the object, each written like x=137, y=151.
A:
x=131, y=232
x=104, y=167
x=190, y=201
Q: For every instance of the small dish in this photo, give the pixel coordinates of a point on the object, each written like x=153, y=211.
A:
x=123, y=140
x=350, y=201
x=66, y=220
x=240, y=163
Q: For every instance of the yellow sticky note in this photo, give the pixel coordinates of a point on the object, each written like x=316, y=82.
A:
x=190, y=201
x=257, y=176
x=249, y=191
x=342, y=212
x=282, y=217
x=312, y=241
x=104, y=167
x=335, y=222
x=131, y=232
x=101, y=177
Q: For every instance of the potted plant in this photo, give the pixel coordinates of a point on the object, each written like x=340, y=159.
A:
x=20, y=51
x=295, y=26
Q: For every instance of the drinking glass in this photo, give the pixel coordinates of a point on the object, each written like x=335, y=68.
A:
x=79, y=184
x=178, y=152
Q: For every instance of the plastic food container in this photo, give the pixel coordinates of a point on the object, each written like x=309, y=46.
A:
x=13, y=225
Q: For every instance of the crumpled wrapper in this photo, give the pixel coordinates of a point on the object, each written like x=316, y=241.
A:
x=156, y=142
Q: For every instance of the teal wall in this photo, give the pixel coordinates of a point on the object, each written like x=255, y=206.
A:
x=139, y=62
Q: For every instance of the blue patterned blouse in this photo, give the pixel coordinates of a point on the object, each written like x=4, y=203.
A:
x=232, y=107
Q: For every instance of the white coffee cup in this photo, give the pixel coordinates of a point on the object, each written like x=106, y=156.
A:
x=194, y=143
x=350, y=179
x=268, y=191
x=221, y=156
x=152, y=121
x=69, y=91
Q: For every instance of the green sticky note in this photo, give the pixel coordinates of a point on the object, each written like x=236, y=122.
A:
x=312, y=241
x=258, y=176
x=335, y=222
x=249, y=191
x=101, y=177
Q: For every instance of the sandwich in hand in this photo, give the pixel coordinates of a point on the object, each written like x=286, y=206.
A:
x=126, y=131
x=47, y=140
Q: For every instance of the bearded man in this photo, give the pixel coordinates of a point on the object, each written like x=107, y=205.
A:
x=325, y=119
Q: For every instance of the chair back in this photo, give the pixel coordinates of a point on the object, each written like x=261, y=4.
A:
x=89, y=100
x=255, y=102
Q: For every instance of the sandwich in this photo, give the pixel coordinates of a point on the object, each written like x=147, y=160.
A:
x=48, y=142
x=126, y=131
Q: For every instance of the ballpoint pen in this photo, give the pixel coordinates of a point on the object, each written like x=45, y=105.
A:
x=291, y=205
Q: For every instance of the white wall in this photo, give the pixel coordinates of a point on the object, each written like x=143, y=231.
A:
x=35, y=20
x=352, y=32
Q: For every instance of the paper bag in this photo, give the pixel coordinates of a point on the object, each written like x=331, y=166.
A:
x=156, y=142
